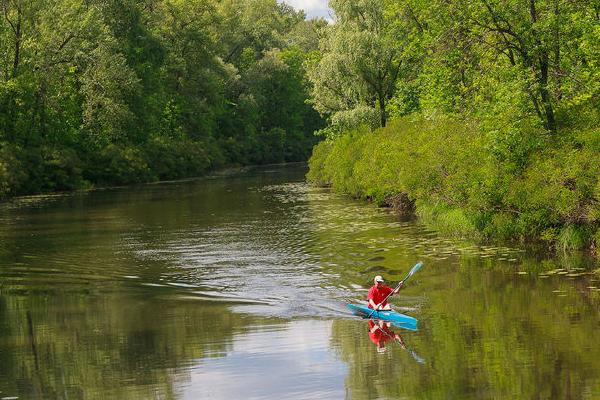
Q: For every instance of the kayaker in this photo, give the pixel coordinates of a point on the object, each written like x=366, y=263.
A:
x=378, y=293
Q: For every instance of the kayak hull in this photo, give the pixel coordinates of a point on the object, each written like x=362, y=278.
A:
x=391, y=316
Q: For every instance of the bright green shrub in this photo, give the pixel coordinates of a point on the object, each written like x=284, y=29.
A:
x=318, y=173
x=449, y=221
x=471, y=182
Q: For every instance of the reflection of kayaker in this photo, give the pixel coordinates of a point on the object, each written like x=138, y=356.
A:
x=379, y=333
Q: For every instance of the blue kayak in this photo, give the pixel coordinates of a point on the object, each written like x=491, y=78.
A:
x=391, y=316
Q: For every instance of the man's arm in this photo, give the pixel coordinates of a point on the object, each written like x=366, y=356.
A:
x=372, y=303
x=399, y=288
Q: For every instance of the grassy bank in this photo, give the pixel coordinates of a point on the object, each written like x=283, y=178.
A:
x=470, y=181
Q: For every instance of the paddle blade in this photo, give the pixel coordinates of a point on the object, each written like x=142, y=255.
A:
x=416, y=357
x=413, y=270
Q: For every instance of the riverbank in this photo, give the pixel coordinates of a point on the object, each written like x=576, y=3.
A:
x=224, y=171
x=54, y=168
x=468, y=181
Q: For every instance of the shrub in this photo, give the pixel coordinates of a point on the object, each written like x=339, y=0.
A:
x=118, y=164
x=169, y=159
x=471, y=182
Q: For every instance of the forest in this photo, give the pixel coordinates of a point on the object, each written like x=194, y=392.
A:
x=479, y=115
x=110, y=92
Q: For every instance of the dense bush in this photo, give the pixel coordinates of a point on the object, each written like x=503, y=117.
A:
x=463, y=186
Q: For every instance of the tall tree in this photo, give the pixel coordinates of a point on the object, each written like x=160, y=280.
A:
x=266, y=96
x=193, y=72
x=529, y=56
x=356, y=76
x=144, y=54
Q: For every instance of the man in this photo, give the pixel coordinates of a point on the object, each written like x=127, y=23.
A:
x=378, y=293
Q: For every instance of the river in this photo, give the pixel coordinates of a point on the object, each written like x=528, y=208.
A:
x=235, y=287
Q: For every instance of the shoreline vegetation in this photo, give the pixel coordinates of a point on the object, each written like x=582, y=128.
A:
x=117, y=92
x=446, y=173
x=481, y=117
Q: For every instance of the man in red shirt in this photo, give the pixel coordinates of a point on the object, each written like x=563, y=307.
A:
x=379, y=292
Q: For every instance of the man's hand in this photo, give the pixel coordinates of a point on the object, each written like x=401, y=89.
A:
x=400, y=285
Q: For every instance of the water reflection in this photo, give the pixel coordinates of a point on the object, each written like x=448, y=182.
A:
x=237, y=288
x=380, y=334
x=271, y=363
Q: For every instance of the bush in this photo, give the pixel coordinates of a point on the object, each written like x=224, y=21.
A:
x=12, y=173
x=39, y=170
x=168, y=159
x=447, y=220
x=472, y=182
x=118, y=164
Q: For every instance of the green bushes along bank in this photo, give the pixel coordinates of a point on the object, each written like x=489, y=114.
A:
x=466, y=181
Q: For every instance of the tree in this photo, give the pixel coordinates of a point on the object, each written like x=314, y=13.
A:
x=193, y=72
x=266, y=118
x=356, y=75
x=542, y=51
x=131, y=90
x=248, y=28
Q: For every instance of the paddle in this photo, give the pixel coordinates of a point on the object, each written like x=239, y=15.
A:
x=412, y=271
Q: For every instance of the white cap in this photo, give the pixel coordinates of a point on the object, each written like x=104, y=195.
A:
x=378, y=278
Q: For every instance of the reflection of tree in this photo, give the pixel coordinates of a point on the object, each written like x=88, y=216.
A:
x=89, y=346
x=7, y=359
x=72, y=327
x=483, y=334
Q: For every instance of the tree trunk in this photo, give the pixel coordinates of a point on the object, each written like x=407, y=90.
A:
x=545, y=95
x=382, y=109
x=16, y=28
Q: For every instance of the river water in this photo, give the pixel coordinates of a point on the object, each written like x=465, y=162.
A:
x=235, y=287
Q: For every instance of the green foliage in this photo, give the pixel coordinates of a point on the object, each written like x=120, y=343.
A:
x=446, y=220
x=461, y=185
x=497, y=113
x=573, y=237
x=118, y=165
x=319, y=174
x=12, y=173
x=356, y=76
x=124, y=91
x=172, y=159
x=45, y=169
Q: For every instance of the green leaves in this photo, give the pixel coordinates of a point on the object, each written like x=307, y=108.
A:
x=105, y=86
x=356, y=76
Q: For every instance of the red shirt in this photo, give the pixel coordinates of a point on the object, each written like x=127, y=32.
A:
x=378, y=335
x=378, y=294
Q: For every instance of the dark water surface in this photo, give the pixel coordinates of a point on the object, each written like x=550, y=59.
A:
x=235, y=287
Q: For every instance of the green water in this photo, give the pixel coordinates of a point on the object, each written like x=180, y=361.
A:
x=235, y=287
